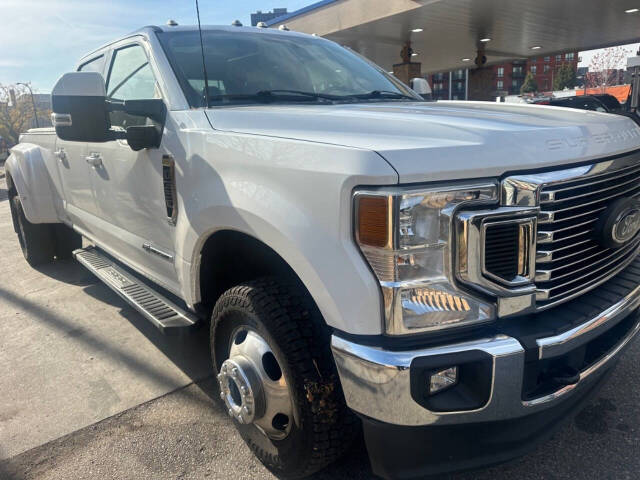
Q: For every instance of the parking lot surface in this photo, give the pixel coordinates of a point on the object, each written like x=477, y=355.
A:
x=90, y=390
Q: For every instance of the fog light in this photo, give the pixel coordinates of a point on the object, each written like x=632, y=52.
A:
x=443, y=379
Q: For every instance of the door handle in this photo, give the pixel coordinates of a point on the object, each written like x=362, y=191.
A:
x=60, y=154
x=94, y=159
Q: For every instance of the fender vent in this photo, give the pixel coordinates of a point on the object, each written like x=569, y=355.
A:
x=169, y=185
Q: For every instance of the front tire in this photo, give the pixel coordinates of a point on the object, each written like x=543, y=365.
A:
x=286, y=353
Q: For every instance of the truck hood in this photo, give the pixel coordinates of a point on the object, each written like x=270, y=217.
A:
x=444, y=140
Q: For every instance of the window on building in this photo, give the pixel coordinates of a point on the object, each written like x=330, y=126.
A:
x=534, y=59
x=517, y=70
x=501, y=71
x=516, y=84
x=547, y=59
x=500, y=85
x=546, y=69
x=558, y=58
x=534, y=69
x=569, y=56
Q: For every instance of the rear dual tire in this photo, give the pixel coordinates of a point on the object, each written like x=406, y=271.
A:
x=41, y=243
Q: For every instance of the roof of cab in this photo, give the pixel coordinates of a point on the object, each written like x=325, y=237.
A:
x=151, y=29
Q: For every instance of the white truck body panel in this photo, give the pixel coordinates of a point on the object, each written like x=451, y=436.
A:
x=445, y=140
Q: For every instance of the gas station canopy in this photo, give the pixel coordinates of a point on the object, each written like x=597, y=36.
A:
x=446, y=34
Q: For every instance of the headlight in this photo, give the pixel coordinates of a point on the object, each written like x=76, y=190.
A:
x=406, y=236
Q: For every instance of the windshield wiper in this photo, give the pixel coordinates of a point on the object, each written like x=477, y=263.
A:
x=383, y=94
x=278, y=93
x=268, y=96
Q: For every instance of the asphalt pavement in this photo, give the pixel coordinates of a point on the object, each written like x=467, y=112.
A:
x=89, y=390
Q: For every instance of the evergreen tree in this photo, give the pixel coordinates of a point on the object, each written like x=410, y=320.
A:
x=529, y=85
x=565, y=77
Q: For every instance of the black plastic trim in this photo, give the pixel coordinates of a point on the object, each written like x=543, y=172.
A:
x=474, y=381
x=401, y=452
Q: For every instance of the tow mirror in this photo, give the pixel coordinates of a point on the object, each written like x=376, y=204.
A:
x=81, y=113
x=79, y=106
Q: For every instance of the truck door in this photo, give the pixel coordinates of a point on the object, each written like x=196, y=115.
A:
x=129, y=186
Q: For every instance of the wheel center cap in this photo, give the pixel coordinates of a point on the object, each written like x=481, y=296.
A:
x=240, y=389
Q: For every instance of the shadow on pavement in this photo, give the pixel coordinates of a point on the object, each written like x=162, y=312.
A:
x=68, y=271
x=189, y=354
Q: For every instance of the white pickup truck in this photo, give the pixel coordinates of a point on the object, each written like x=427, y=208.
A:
x=454, y=278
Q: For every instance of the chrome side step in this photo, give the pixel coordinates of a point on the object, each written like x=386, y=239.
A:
x=165, y=315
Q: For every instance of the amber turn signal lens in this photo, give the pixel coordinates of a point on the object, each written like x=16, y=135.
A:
x=373, y=221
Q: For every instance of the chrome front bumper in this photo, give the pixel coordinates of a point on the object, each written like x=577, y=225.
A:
x=377, y=383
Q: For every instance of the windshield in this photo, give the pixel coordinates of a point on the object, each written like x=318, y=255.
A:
x=248, y=67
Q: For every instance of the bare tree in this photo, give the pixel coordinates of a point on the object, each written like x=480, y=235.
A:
x=603, y=70
x=16, y=112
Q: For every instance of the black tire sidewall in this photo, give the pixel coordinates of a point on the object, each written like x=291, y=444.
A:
x=37, y=241
x=283, y=313
x=289, y=454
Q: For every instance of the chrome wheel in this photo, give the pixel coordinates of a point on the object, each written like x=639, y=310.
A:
x=253, y=386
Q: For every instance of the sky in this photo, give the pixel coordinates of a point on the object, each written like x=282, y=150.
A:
x=42, y=39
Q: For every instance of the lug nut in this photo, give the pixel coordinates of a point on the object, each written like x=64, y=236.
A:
x=230, y=412
x=222, y=395
x=234, y=372
x=244, y=390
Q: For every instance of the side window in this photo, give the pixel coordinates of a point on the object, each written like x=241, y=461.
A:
x=94, y=65
x=130, y=78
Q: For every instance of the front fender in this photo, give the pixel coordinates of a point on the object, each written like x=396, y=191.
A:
x=28, y=167
x=296, y=198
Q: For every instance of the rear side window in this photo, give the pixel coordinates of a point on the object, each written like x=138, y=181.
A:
x=95, y=65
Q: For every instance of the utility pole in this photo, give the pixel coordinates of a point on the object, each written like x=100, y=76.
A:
x=33, y=101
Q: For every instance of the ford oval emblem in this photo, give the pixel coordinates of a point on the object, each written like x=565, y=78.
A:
x=619, y=223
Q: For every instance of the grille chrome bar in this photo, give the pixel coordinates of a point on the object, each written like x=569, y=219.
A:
x=577, y=291
x=612, y=258
x=545, y=275
x=570, y=185
x=553, y=196
x=633, y=190
x=569, y=259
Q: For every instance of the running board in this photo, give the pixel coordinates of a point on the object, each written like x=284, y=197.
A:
x=165, y=315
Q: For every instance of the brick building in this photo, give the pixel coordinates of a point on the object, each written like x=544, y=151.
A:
x=440, y=85
x=508, y=77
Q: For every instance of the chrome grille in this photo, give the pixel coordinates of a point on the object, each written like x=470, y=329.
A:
x=569, y=261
